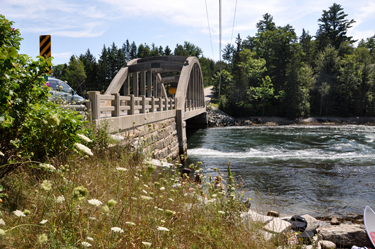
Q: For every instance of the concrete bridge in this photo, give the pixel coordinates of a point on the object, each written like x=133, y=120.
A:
x=144, y=102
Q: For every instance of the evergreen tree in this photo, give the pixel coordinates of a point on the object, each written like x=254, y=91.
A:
x=75, y=74
x=167, y=51
x=133, y=51
x=103, y=70
x=91, y=70
x=180, y=51
x=333, y=27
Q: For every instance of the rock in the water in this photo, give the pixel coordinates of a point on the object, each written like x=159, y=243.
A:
x=256, y=217
x=273, y=213
x=335, y=221
x=345, y=235
x=326, y=244
x=277, y=225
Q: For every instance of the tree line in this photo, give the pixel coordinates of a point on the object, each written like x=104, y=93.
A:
x=277, y=73
x=273, y=72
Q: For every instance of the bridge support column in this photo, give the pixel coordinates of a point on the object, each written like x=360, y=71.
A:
x=181, y=133
x=197, y=122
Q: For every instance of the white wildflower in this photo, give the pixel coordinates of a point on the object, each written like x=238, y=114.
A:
x=214, y=195
x=85, y=244
x=161, y=210
x=221, y=212
x=163, y=229
x=130, y=223
x=176, y=185
x=89, y=238
x=2, y=222
x=146, y=197
x=121, y=169
x=171, y=199
x=43, y=222
x=148, y=244
x=1, y=154
x=95, y=202
x=60, y=199
x=144, y=191
x=47, y=166
x=117, y=230
x=19, y=213
x=83, y=149
x=84, y=138
x=46, y=185
x=162, y=221
x=2, y=232
x=43, y=238
x=162, y=188
x=145, y=185
x=133, y=198
x=92, y=218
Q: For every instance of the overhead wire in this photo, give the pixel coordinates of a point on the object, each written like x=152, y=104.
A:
x=209, y=30
x=234, y=19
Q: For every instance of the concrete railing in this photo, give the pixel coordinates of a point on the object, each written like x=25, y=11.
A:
x=124, y=112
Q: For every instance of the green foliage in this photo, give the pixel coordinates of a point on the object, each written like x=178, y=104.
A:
x=31, y=128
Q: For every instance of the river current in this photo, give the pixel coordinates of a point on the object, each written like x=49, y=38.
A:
x=294, y=169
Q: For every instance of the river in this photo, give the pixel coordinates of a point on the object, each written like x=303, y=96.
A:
x=294, y=169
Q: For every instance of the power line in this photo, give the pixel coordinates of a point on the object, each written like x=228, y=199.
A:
x=209, y=30
x=234, y=19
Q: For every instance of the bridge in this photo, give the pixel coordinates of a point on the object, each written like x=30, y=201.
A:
x=145, y=99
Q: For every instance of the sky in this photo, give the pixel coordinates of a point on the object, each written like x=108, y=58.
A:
x=78, y=25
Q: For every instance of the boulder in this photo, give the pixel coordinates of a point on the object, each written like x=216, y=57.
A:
x=326, y=244
x=345, y=235
x=273, y=213
x=312, y=223
x=277, y=225
x=256, y=217
x=335, y=221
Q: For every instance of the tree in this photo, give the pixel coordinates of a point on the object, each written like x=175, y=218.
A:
x=103, y=70
x=167, y=51
x=91, y=70
x=333, y=27
x=192, y=50
x=58, y=71
x=307, y=47
x=180, y=51
x=75, y=74
x=133, y=51
x=266, y=24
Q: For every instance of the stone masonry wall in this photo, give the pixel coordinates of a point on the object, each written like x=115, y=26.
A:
x=158, y=140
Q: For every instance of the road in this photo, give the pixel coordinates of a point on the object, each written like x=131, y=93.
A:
x=208, y=94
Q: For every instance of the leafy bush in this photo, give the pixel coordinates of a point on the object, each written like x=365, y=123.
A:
x=30, y=127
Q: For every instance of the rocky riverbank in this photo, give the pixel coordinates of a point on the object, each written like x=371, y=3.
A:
x=218, y=118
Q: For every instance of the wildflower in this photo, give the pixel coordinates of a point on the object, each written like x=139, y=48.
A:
x=130, y=223
x=60, y=199
x=170, y=212
x=43, y=222
x=121, y=169
x=146, y=186
x=144, y=191
x=215, y=169
x=54, y=120
x=83, y=149
x=111, y=203
x=214, y=195
x=105, y=209
x=89, y=238
x=162, y=188
x=146, y=197
x=92, y=218
x=19, y=213
x=117, y=230
x=85, y=244
x=157, y=183
x=80, y=193
x=84, y=138
x=162, y=221
x=133, y=198
x=42, y=238
x=47, y=166
x=163, y=229
x=160, y=209
x=26, y=212
x=2, y=222
x=221, y=212
x=1, y=154
x=171, y=199
x=148, y=244
x=95, y=202
x=136, y=178
x=46, y=185
x=2, y=232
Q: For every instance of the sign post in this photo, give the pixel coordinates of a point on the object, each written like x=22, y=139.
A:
x=45, y=48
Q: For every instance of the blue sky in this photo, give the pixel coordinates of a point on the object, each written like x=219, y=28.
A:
x=78, y=25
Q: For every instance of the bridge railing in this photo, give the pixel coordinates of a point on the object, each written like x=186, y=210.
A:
x=106, y=106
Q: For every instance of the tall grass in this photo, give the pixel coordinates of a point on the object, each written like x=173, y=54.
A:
x=114, y=200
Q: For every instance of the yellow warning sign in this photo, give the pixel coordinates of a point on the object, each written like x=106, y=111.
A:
x=172, y=90
x=45, y=48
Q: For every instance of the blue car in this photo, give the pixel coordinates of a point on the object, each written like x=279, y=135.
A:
x=62, y=93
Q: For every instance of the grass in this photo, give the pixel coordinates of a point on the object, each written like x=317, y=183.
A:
x=114, y=200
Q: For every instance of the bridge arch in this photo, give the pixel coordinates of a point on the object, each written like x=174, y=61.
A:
x=144, y=95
